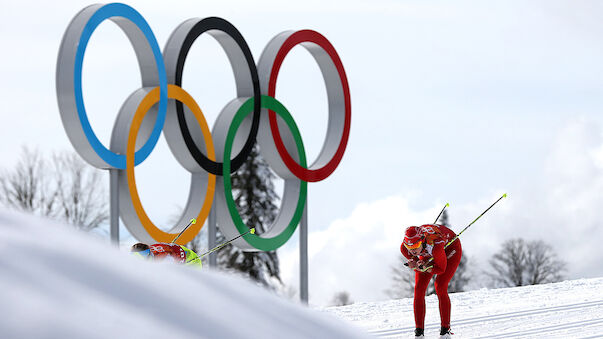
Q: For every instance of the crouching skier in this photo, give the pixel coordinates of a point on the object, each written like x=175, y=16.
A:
x=163, y=251
x=424, y=248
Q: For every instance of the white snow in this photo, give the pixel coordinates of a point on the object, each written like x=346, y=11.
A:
x=569, y=309
x=56, y=282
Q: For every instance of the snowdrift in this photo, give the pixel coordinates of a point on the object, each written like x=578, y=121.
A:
x=56, y=282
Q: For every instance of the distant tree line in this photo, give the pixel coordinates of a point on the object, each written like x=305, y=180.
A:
x=61, y=186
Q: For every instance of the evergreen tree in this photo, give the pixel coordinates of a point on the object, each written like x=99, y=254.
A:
x=443, y=220
x=461, y=277
x=254, y=194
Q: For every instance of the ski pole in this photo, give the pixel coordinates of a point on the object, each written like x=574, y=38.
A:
x=442, y=211
x=461, y=232
x=192, y=222
x=252, y=231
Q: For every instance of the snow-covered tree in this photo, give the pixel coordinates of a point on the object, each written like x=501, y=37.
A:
x=443, y=220
x=253, y=190
x=461, y=277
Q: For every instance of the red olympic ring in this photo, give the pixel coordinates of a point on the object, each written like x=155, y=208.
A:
x=310, y=175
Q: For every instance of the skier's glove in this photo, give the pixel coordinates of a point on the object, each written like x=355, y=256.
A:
x=412, y=263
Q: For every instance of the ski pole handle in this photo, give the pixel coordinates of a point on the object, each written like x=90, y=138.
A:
x=192, y=222
x=484, y=212
x=442, y=211
x=252, y=231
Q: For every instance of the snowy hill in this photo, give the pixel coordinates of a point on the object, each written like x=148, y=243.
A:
x=569, y=309
x=59, y=283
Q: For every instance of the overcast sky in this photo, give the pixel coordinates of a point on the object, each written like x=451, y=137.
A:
x=453, y=102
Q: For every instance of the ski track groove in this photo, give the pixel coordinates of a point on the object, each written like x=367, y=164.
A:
x=508, y=315
x=591, y=337
x=548, y=329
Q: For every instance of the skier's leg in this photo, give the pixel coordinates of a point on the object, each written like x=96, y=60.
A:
x=441, y=284
x=421, y=282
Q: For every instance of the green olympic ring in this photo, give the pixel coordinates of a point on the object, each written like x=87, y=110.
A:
x=263, y=244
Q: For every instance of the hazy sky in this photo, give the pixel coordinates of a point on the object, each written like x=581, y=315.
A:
x=451, y=102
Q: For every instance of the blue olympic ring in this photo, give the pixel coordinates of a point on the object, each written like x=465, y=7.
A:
x=127, y=12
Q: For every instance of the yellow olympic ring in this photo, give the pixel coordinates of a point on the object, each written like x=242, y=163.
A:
x=176, y=93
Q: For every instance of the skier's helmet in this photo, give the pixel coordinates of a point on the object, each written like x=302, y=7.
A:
x=413, y=238
x=141, y=250
x=138, y=247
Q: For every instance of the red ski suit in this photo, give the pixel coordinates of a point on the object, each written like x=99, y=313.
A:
x=445, y=263
x=170, y=251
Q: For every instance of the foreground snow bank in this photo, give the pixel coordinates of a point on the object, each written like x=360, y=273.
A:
x=59, y=283
x=569, y=309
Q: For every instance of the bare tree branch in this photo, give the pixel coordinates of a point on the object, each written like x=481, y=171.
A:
x=543, y=265
x=521, y=263
x=403, y=281
x=67, y=189
x=83, y=201
x=27, y=188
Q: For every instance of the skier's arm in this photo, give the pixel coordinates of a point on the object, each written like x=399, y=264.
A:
x=439, y=259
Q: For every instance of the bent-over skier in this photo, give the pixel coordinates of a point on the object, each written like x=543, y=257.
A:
x=424, y=243
x=163, y=251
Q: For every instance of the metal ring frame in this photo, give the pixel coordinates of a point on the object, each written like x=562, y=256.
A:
x=162, y=105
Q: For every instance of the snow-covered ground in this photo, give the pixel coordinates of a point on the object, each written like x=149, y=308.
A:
x=59, y=283
x=569, y=309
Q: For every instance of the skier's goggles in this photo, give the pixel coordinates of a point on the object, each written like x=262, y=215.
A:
x=413, y=246
x=144, y=253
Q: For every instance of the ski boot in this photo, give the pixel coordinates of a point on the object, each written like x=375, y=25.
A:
x=419, y=333
x=445, y=333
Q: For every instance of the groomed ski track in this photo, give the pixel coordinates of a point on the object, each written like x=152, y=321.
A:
x=549, y=315
x=570, y=309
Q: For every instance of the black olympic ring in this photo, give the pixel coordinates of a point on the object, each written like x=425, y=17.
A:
x=231, y=40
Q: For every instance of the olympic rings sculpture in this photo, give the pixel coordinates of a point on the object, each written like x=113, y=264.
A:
x=162, y=105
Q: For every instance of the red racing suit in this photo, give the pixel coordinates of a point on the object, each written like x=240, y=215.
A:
x=177, y=253
x=445, y=263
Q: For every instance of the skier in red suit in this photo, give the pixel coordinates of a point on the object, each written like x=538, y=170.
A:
x=169, y=252
x=422, y=243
